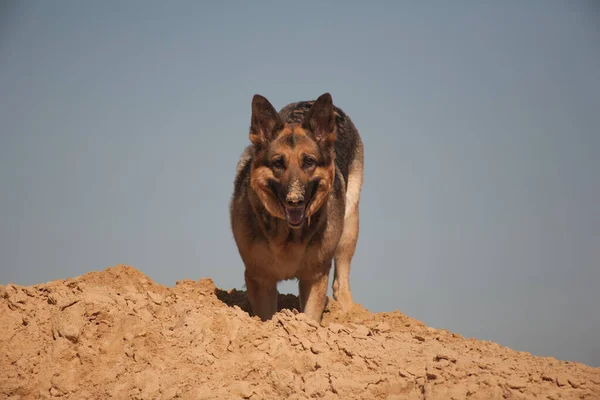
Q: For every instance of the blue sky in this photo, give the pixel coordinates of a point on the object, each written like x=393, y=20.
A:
x=121, y=124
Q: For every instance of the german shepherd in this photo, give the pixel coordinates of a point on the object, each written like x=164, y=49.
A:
x=294, y=207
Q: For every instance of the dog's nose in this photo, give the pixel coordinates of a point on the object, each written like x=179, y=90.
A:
x=295, y=194
x=295, y=203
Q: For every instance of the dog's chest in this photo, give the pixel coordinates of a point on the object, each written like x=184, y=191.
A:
x=288, y=260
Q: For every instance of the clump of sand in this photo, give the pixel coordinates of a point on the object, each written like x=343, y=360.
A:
x=117, y=334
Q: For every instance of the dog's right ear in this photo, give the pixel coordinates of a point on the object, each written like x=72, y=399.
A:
x=265, y=122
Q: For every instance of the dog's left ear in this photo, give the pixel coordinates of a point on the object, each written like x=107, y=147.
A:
x=320, y=120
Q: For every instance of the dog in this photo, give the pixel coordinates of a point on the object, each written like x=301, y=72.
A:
x=295, y=202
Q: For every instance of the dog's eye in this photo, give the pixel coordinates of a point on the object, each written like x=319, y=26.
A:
x=278, y=163
x=309, y=162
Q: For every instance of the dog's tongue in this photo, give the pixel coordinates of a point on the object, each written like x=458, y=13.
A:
x=295, y=215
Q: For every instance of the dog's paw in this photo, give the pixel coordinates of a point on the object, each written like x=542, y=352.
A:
x=344, y=298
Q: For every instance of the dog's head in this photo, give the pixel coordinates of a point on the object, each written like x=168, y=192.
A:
x=293, y=170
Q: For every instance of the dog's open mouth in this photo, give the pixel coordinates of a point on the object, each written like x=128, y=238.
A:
x=294, y=216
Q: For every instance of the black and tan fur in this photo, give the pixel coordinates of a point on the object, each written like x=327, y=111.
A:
x=295, y=203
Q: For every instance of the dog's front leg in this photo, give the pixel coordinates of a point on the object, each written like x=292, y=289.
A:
x=262, y=295
x=313, y=295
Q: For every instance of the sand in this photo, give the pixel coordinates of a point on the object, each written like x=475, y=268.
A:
x=117, y=334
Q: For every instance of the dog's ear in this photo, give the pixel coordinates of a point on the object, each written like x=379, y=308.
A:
x=320, y=120
x=265, y=121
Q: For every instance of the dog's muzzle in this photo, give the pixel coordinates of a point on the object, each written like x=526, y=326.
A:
x=295, y=204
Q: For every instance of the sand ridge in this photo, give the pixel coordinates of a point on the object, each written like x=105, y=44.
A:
x=117, y=334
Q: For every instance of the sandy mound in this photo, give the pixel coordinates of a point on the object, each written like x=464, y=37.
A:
x=116, y=334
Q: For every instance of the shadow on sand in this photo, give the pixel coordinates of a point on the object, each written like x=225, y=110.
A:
x=239, y=298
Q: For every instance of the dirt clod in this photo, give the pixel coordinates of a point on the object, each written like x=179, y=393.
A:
x=116, y=334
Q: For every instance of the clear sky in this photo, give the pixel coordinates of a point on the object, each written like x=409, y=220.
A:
x=121, y=124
